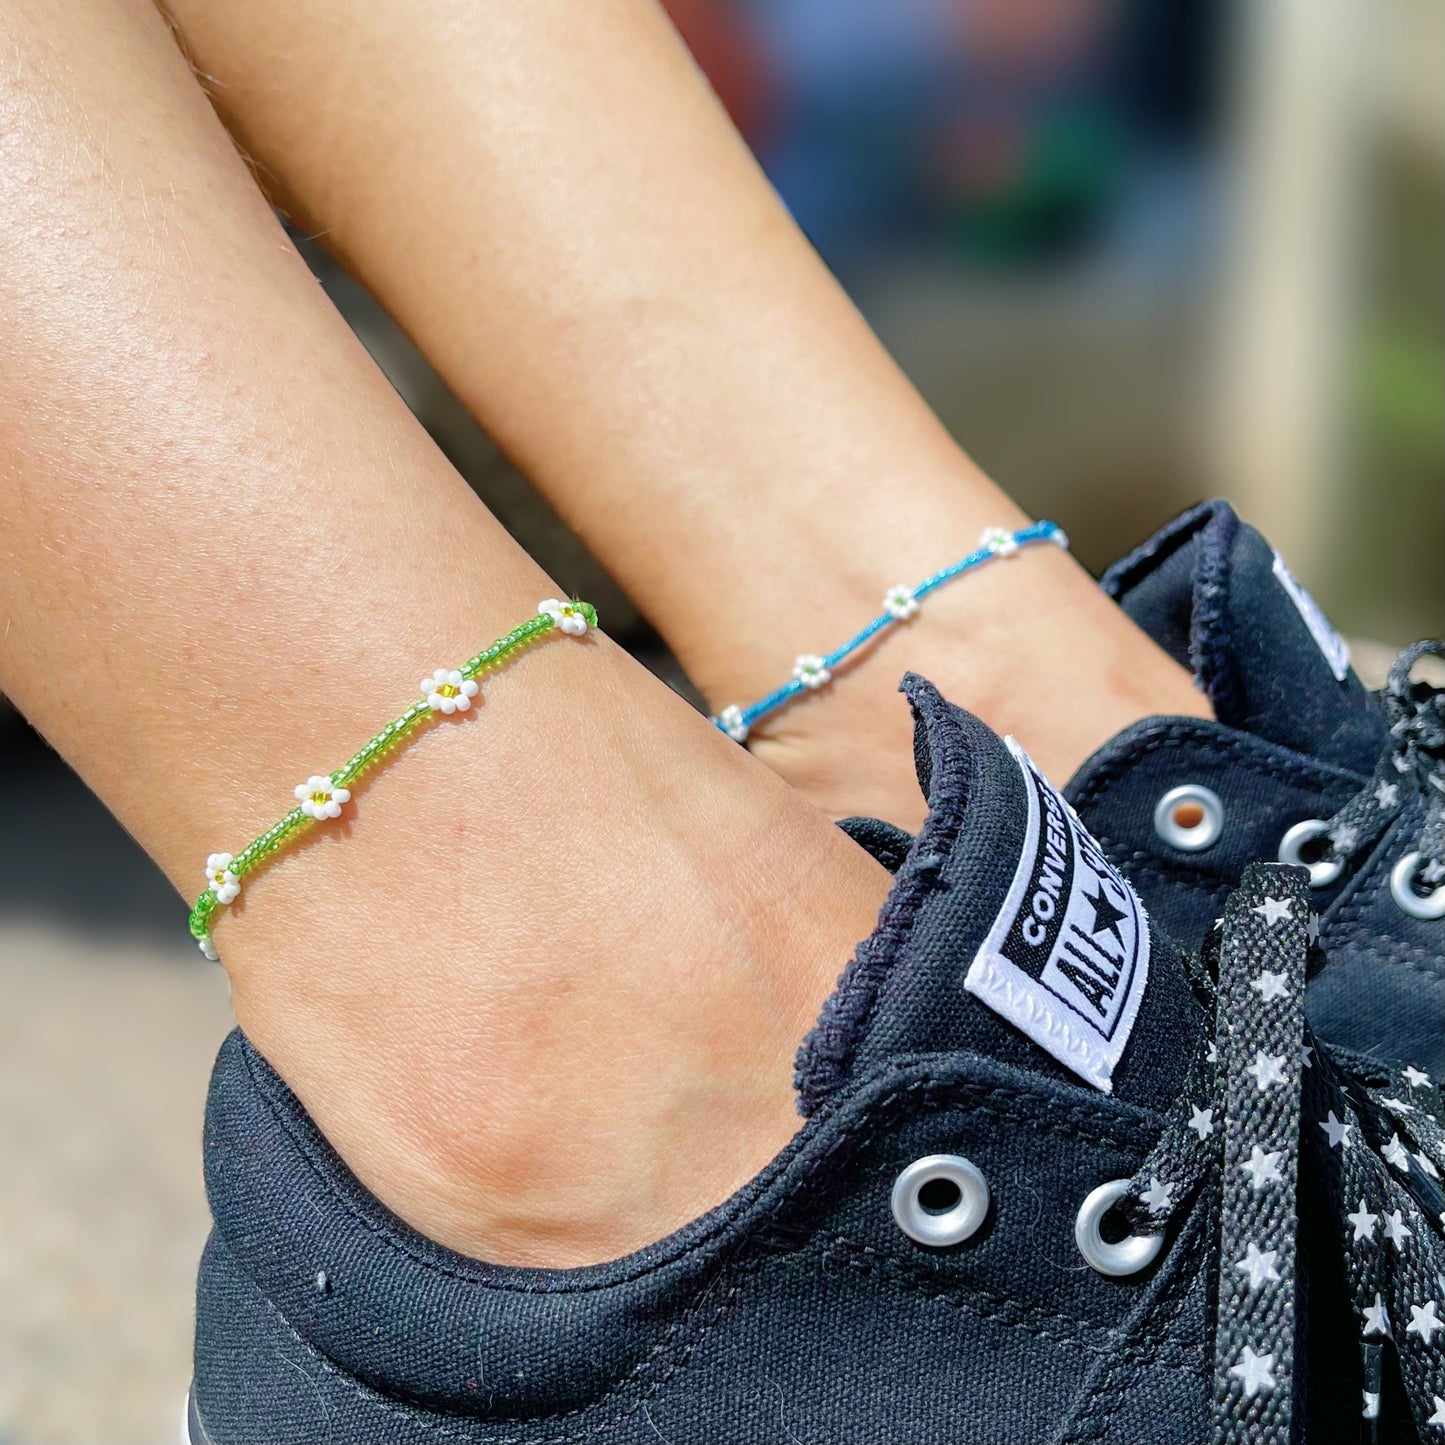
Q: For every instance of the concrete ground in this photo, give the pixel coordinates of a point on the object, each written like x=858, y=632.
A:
x=103, y=1059
x=109, y=1019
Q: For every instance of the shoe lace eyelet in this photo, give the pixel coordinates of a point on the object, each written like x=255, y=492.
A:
x=1323, y=871
x=939, y=1200
x=1189, y=817
x=1402, y=889
x=1123, y=1257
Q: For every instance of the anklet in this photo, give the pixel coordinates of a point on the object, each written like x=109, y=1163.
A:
x=812, y=671
x=446, y=692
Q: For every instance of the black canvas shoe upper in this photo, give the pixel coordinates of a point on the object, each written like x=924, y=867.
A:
x=801, y=1308
x=1296, y=740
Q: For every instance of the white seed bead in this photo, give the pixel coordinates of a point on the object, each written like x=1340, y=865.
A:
x=730, y=720
x=999, y=541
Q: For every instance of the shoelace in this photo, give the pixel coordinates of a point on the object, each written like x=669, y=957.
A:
x=1261, y=1094
x=1412, y=762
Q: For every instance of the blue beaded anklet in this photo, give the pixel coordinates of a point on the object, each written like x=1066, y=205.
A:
x=812, y=671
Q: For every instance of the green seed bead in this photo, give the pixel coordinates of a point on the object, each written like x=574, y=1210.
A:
x=391, y=736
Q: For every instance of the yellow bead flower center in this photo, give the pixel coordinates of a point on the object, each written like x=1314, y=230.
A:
x=320, y=797
x=448, y=689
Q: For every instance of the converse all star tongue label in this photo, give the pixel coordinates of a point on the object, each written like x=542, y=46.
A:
x=1331, y=645
x=1067, y=959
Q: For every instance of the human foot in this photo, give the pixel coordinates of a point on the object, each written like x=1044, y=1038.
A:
x=929, y=1260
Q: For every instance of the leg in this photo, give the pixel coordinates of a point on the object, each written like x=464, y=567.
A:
x=554, y=205
x=561, y=939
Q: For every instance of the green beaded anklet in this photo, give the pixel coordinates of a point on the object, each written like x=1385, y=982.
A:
x=445, y=692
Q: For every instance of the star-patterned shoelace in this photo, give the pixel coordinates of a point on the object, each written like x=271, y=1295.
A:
x=1414, y=761
x=1259, y=1096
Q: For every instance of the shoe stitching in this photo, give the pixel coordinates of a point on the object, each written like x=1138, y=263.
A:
x=1348, y=916
x=1343, y=925
x=903, y=1278
x=940, y=846
x=828, y=1052
x=1141, y=864
x=1102, y=1398
x=694, y=1330
x=1035, y=1109
x=1019, y=1105
x=1253, y=754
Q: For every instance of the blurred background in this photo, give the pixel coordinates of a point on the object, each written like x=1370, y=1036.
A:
x=1134, y=255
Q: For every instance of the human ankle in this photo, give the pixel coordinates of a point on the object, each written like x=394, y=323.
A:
x=567, y=1102
x=1029, y=643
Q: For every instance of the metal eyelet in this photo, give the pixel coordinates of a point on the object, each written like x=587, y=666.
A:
x=1189, y=817
x=1402, y=890
x=1323, y=871
x=1128, y=1255
x=940, y=1227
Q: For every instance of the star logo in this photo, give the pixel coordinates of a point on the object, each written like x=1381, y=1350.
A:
x=1414, y=1077
x=1273, y=910
x=1254, y=1372
x=1398, y=1106
x=1270, y=986
x=1339, y=1134
x=1364, y=1223
x=1397, y=1231
x=1377, y=1318
x=1424, y=1321
x=1438, y=1418
x=1387, y=795
x=1201, y=1121
x=1262, y=1168
x=1106, y=916
x=1259, y=1266
x=1426, y=1165
x=1397, y=1154
x=1306, y=1057
x=1159, y=1197
x=1267, y=1069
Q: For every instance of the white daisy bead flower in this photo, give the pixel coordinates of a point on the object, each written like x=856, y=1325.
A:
x=900, y=603
x=1000, y=541
x=568, y=616
x=447, y=691
x=811, y=670
x=219, y=878
x=730, y=720
x=320, y=798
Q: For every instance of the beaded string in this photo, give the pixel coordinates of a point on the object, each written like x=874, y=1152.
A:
x=812, y=670
x=445, y=693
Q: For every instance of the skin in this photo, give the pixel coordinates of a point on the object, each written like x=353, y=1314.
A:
x=551, y=201
x=542, y=983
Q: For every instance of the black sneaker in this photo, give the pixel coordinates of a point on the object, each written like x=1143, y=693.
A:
x=1038, y=1195
x=1302, y=765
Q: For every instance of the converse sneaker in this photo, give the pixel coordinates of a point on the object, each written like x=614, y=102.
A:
x=1303, y=765
x=1041, y=1192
